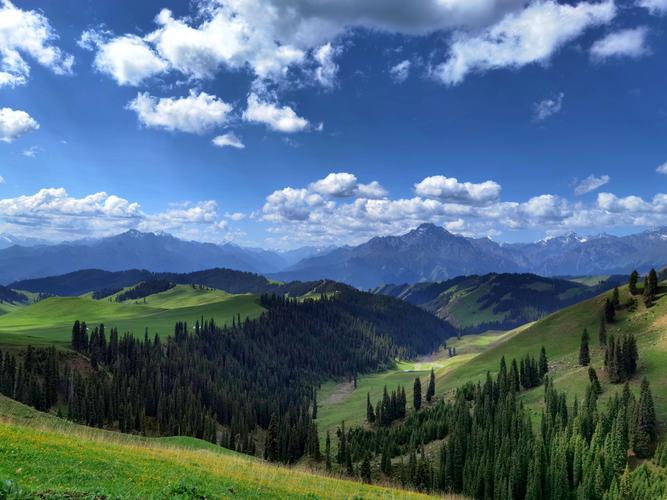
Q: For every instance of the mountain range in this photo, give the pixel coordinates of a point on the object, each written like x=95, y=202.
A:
x=427, y=253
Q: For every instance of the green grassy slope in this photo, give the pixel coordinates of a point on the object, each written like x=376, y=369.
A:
x=559, y=333
x=50, y=320
x=46, y=455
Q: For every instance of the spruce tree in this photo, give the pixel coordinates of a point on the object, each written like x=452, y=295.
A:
x=370, y=414
x=645, y=422
x=632, y=283
x=327, y=452
x=365, y=470
x=595, y=382
x=615, y=299
x=584, y=353
x=314, y=417
x=430, y=391
x=609, y=311
x=544, y=364
x=417, y=395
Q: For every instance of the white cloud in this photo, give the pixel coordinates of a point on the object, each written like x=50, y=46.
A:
x=346, y=185
x=52, y=213
x=280, y=119
x=449, y=189
x=293, y=204
x=14, y=123
x=590, y=183
x=27, y=33
x=623, y=43
x=657, y=7
x=228, y=140
x=400, y=72
x=273, y=37
x=662, y=169
x=127, y=59
x=548, y=107
x=530, y=36
x=327, y=70
x=196, y=113
x=31, y=152
x=2, y=180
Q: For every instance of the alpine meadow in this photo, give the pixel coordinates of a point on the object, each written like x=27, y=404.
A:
x=327, y=249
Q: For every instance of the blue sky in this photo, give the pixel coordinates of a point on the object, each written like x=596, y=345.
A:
x=279, y=124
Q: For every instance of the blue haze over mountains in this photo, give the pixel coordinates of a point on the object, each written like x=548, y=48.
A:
x=427, y=253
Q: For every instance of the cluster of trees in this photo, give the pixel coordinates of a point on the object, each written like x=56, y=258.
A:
x=106, y=292
x=146, y=288
x=493, y=449
x=650, y=289
x=225, y=384
x=621, y=357
x=12, y=296
x=32, y=377
x=389, y=409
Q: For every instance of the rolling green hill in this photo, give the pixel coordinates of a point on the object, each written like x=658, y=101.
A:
x=50, y=320
x=53, y=457
x=475, y=304
x=559, y=333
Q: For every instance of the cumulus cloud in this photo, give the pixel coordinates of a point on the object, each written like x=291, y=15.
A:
x=27, y=33
x=228, y=140
x=449, y=189
x=657, y=7
x=196, y=113
x=548, y=107
x=590, y=183
x=52, y=213
x=624, y=43
x=274, y=116
x=662, y=169
x=345, y=185
x=400, y=72
x=14, y=123
x=529, y=36
x=128, y=59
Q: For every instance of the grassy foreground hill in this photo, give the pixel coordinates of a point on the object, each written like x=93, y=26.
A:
x=46, y=456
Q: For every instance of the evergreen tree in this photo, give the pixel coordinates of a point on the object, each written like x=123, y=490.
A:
x=595, y=382
x=615, y=299
x=645, y=422
x=543, y=364
x=327, y=452
x=314, y=417
x=632, y=283
x=417, y=395
x=430, y=391
x=366, y=469
x=609, y=311
x=584, y=353
x=370, y=414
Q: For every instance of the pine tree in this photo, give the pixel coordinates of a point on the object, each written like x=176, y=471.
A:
x=609, y=311
x=645, y=422
x=370, y=414
x=272, y=447
x=595, y=382
x=417, y=395
x=314, y=417
x=366, y=469
x=544, y=364
x=602, y=332
x=632, y=283
x=327, y=452
x=584, y=353
x=430, y=391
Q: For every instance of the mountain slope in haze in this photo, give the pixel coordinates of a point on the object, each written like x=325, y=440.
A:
x=91, y=280
x=431, y=253
x=137, y=250
x=427, y=253
x=496, y=301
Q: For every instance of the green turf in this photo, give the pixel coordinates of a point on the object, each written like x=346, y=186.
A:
x=50, y=320
x=47, y=456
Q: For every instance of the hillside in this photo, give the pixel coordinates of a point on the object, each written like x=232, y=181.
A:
x=51, y=456
x=497, y=301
